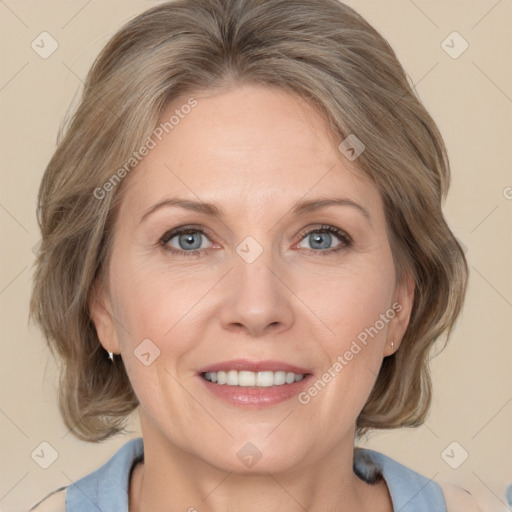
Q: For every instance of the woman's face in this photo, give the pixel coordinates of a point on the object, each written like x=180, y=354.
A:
x=266, y=278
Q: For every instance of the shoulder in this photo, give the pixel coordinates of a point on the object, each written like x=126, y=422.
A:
x=53, y=502
x=411, y=488
x=458, y=499
x=409, y=491
x=106, y=488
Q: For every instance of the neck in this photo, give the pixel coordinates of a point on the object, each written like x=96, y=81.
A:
x=170, y=479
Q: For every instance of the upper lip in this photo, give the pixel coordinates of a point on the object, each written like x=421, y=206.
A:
x=254, y=366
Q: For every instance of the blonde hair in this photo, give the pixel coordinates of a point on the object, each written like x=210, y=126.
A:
x=321, y=50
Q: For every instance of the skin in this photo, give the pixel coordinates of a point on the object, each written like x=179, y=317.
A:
x=254, y=151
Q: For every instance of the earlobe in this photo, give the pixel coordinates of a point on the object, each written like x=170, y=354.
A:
x=402, y=304
x=102, y=318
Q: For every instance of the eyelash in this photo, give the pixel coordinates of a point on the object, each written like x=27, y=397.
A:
x=345, y=239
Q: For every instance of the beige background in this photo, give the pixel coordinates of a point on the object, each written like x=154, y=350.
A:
x=470, y=98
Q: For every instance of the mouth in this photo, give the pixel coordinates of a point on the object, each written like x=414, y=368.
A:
x=264, y=379
x=254, y=383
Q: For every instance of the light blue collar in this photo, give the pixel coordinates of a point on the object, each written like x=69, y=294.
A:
x=107, y=488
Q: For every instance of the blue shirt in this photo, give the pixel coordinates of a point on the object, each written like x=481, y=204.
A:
x=107, y=488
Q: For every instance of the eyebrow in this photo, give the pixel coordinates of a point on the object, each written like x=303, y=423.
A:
x=299, y=209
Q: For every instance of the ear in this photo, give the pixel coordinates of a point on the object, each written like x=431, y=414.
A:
x=402, y=306
x=101, y=315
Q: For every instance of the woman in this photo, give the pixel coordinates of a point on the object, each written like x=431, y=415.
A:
x=245, y=213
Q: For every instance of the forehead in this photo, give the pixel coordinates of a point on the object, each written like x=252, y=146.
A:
x=248, y=148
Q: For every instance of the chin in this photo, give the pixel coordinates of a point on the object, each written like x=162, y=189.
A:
x=259, y=457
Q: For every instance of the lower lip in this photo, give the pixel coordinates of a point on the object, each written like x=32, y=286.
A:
x=256, y=397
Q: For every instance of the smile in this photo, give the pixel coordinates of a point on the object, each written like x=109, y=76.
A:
x=254, y=384
x=263, y=379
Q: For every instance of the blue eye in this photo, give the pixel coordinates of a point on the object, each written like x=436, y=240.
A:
x=189, y=241
x=320, y=239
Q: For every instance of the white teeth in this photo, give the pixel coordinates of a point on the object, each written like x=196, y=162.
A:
x=279, y=378
x=246, y=379
x=232, y=378
x=265, y=379
x=260, y=379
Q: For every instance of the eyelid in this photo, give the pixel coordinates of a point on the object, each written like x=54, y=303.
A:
x=179, y=230
x=341, y=233
x=345, y=239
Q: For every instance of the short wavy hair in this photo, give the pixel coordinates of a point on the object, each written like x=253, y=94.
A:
x=321, y=50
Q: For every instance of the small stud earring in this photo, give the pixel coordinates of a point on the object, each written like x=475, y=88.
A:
x=111, y=356
x=392, y=345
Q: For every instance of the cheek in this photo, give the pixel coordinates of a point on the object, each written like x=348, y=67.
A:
x=152, y=311
x=153, y=301
x=161, y=313
x=355, y=306
x=349, y=300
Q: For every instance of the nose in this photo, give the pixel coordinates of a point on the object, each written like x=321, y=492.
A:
x=257, y=300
